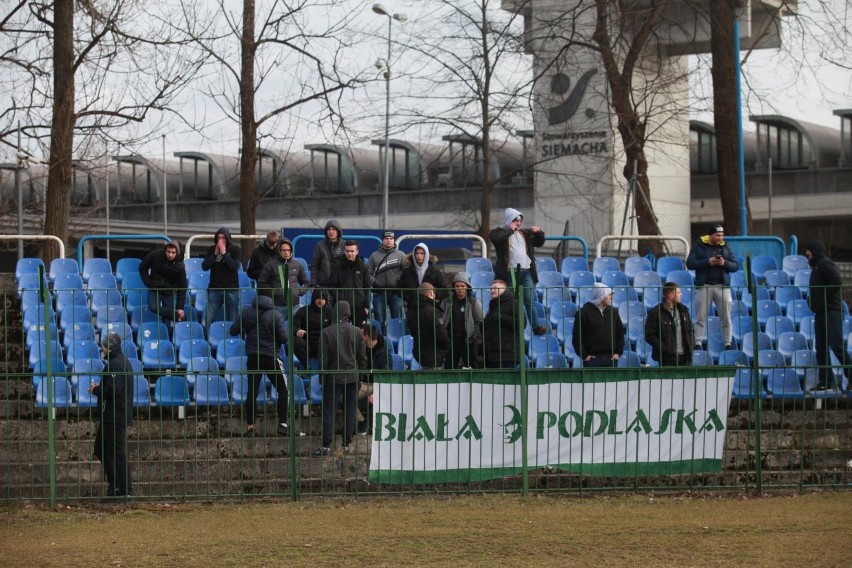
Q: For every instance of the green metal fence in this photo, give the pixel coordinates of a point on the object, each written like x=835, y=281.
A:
x=529, y=428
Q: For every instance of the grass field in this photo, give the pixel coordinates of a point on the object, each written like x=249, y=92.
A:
x=801, y=530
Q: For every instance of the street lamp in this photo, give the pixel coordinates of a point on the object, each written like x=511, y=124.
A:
x=385, y=64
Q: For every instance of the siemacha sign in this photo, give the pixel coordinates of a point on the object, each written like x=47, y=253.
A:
x=438, y=428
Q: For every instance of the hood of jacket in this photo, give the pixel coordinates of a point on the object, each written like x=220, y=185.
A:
x=282, y=241
x=264, y=303
x=817, y=251
x=510, y=215
x=336, y=224
x=173, y=243
x=462, y=277
x=706, y=240
x=343, y=311
x=409, y=258
x=222, y=231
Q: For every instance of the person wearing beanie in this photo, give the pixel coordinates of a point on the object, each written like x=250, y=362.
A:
x=825, y=301
x=713, y=261
x=598, y=337
x=224, y=262
x=514, y=248
x=668, y=329
x=115, y=405
x=343, y=358
x=164, y=274
x=417, y=268
x=461, y=315
x=325, y=252
x=385, y=269
x=269, y=283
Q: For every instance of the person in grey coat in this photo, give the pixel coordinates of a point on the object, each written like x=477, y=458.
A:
x=343, y=359
x=461, y=315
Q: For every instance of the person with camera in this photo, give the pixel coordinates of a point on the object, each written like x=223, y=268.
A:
x=713, y=261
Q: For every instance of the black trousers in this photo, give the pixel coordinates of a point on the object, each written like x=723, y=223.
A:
x=111, y=450
x=304, y=349
x=331, y=400
x=258, y=365
x=828, y=334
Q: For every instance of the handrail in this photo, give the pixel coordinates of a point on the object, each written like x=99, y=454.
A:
x=580, y=240
x=114, y=238
x=37, y=238
x=207, y=236
x=642, y=238
x=473, y=236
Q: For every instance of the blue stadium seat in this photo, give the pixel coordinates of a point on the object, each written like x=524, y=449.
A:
x=478, y=264
x=151, y=331
x=542, y=344
x=784, y=383
x=140, y=315
x=40, y=349
x=171, y=390
x=78, y=331
x=30, y=281
x=40, y=332
x=85, y=367
x=395, y=329
x=653, y=295
x=626, y=310
x=125, y=266
x=762, y=293
x=240, y=387
x=158, y=355
x=635, y=330
x=234, y=367
x=397, y=363
x=406, y=348
x=760, y=264
x=68, y=281
x=765, y=310
x=738, y=284
x=480, y=281
x=70, y=298
x=621, y=294
x=210, y=390
x=548, y=280
x=763, y=342
x=682, y=278
x=802, y=280
x=669, y=264
x=701, y=358
x=733, y=357
x=634, y=264
x=27, y=265
x=93, y=266
x=219, y=331
x=110, y=314
x=54, y=365
x=74, y=314
x=34, y=314
x=786, y=294
x=141, y=389
x=645, y=351
x=196, y=281
x=81, y=387
x=797, y=310
x=546, y=263
x=121, y=328
x=230, y=347
x=104, y=298
x=190, y=349
x=792, y=263
x=629, y=359
x=134, y=290
x=184, y=330
x=741, y=325
x=775, y=278
x=82, y=349
x=193, y=264
x=571, y=264
x=806, y=328
x=555, y=295
x=298, y=388
x=562, y=310
x=604, y=264
x=62, y=266
x=614, y=278
x=101, y=281
x=744, y=385
x=645, y=279
x=791, y=342
x=580, y=279
x=551, y=361
x=62, y=397
x=801, y=360
x=776, y=325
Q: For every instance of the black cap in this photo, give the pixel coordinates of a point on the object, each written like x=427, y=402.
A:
x=388, y=234
x=716, y=228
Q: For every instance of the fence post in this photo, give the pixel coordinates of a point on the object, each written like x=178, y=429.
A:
x=755, y=378
x=44, y=295
x=519, y=301
x=284, y=279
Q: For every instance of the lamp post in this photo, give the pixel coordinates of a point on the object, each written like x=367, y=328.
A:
x=165, y=193
x=379, y=9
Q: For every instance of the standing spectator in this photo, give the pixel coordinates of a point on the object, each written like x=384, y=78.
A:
x=502, y=331
x=385, y=268
x=431, y=342
x=461, y=315
x=115, y=403
x=713, y=261
x=263, y=253
x=223, y=262
x=269, y=282
x=598, y=337
x=351, y=279
x=378, y=358
x=325, y=252
x=668, y=329
x=417, y=268
x=825, y=300
x=515, y=248
x=264, y=331
x=164, y=274
x=344, y=357
x=308, y=323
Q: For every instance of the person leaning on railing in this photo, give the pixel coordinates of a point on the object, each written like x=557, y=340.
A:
x=163, y=272
x=668, y=329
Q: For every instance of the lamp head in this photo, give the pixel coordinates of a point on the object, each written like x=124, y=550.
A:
x=400, y=18
x=379, y=9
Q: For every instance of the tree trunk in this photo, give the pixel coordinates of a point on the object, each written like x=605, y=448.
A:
x=58, y=197
x=724, y=109
x=248, y=126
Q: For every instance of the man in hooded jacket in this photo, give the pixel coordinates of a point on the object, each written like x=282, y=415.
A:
x=501, y=329
x=322, y=259
x=223, y=262
x=164, y=274
x=417, y=268
x=825, y=301
x=598, y=334
x=295, y=278
x=461, y=315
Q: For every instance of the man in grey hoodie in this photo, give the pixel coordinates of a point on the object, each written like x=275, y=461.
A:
x=322, y=259
x=514, y=248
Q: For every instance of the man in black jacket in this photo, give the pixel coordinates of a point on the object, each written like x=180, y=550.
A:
x=713, y=262
x=263, y=253
x=351, y=279
x=417, y=268
x=431, y=342
x=514, y=248
x=825, y=300
x=598, y=331
x=295, y=278
x=264, y=331
x=328, y=249
x=308, y=324
x=164, y=274
x=502, y=331
x=115, y=402
x=223, y=262
x=668, y=329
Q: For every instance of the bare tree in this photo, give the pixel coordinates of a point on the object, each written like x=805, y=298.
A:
x=289, y=56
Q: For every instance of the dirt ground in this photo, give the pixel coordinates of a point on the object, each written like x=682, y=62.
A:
x=480, y=530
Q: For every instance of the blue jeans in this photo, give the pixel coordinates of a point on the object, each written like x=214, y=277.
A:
x=525, y=283
x=387, y=299
x=162, y=303
x=218, y=296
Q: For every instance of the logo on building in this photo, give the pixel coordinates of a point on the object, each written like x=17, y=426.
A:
x=559, y=85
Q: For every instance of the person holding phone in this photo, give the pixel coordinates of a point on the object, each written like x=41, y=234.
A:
x=713, y=261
